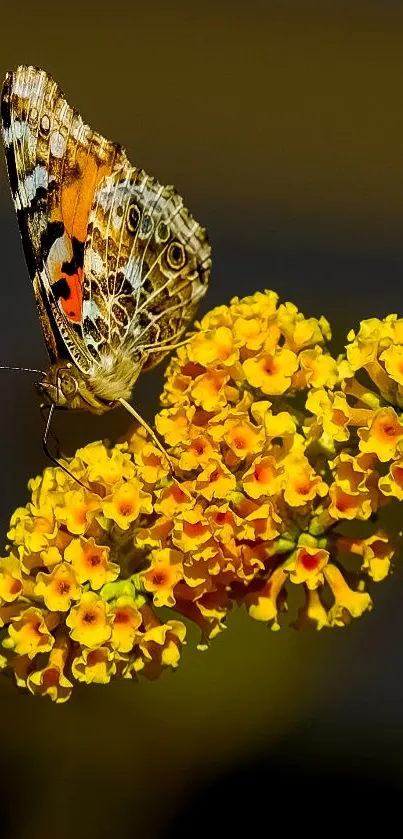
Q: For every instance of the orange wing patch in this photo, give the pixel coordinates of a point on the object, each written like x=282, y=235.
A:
x=71, y=303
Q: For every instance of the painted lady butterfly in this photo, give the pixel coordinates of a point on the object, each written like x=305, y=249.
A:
x=117, y=262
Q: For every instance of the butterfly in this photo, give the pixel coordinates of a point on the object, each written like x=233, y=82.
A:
x=118, y=264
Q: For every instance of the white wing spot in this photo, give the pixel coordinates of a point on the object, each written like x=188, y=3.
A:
x=57, y=144
x=90, y=310
x=45, y=123
x=96, y=263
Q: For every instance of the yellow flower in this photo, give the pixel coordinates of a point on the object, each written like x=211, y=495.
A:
x=364, y=346
x=312, y=612
x=159, y=646
x=209, y=391
x=173, y=498
x=302, y=484
x=109, y=467
x=263, y=478
x=214, y=348
x=191, y=529
x=355, y=505
x=173, y=423
x=90, y=562
x=347, y=602
x=78, y=510
x=319, y=369
x=32, y=529
x=58, y=588
x=302, y=332
x=251, y=333
x=333, y=413
x=164, y=572
x=383, y=434
x=259, y=520
x=126, y=504
x=392, y=358
x=264, y=604
x=10, y=579
x=51, y=680
x=271, y=372
x=376, y=552
x=215, y=481
x=89, y=622
x=392, y=483
x=152, y=464
x=280, y=425
x=94, y=666
x=243, y=438
x=29, y=633
x=197, y=453
x=307, y=566
x=126, y=620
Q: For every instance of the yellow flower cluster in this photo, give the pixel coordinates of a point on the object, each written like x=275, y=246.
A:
x=276, y=447
x=69, y=610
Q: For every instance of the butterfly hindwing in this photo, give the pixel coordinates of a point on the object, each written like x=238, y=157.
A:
x=55, y=163
x=146, y=265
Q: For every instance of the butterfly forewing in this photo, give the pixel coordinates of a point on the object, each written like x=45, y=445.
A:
x=55, y=163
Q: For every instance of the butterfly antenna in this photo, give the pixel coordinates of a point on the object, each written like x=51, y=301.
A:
x=23, y=369
x=49, y=453
x=149, y=430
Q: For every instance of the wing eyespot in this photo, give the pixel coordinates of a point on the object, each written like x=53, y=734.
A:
x=146, y=225
x=176, y=255
x=163, y=232
x=133, y=218
x=44, y=125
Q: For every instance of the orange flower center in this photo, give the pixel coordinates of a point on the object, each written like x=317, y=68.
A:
x=159, y=578
x=50, y=677
x=178, y=494
x=193, y=530
x=240, y=442
x=263, y=474
x=125, y=508
x=63, y=587
x=121, y=616
x=270, y=366
x=345, y=502
x=302, y=486
x=388, y=429
x=198, y=446
x=89, y=617
x=94, y=559
x=309, y=561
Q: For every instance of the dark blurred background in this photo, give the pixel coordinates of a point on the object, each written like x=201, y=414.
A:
x=281, y=125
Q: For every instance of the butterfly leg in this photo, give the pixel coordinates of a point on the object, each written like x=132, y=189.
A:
x=45, y=411
x=167, y=347
x=46, y=436
x=149, y=430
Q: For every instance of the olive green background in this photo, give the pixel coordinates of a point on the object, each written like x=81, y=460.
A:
x=281, y=125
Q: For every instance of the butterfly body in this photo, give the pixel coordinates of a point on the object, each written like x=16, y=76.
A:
x=118, y=264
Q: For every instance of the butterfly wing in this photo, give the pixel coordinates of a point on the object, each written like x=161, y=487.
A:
x=146, y=266
x=55, y=163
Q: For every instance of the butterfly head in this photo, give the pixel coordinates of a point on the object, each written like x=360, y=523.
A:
x=65, y=387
